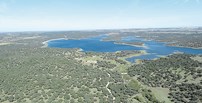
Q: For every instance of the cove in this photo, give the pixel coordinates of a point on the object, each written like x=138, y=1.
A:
x=95, y=44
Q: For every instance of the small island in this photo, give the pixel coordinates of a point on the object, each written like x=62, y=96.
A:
x=136, y=44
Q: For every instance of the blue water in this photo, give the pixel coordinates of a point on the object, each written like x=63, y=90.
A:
x=153, y=48
x=91, y=44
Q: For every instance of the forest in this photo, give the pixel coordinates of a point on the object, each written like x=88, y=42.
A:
x=31, y=73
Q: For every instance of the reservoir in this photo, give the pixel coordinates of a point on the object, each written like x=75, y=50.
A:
x=153, y=48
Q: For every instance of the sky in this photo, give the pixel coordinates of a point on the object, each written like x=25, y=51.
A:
x=51, y=15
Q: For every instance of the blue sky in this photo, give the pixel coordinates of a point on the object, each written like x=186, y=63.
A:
x=37, y=15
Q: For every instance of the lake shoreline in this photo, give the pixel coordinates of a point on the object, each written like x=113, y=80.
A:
x=45, y=43
x=153, y=49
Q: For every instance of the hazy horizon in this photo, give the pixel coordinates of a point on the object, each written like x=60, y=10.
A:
x=62, y=15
